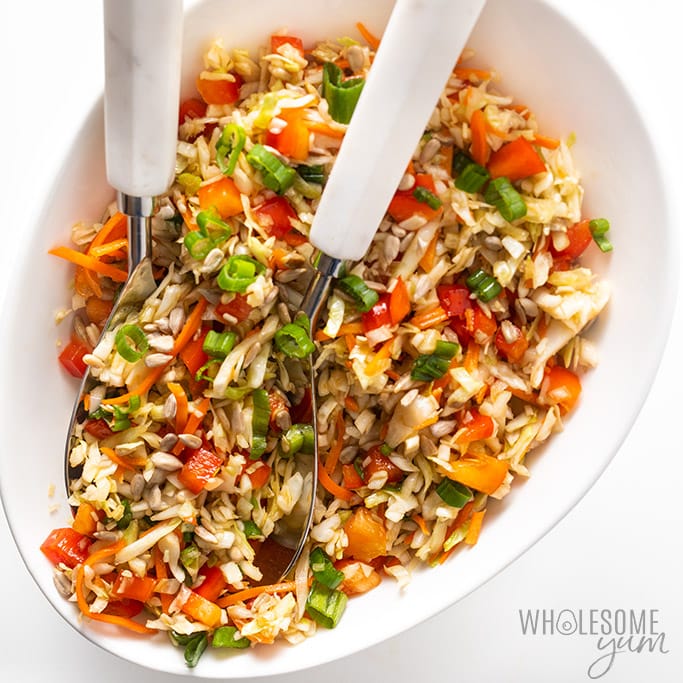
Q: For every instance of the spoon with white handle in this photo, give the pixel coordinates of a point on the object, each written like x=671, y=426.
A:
x=420, y=46
x=142, y=44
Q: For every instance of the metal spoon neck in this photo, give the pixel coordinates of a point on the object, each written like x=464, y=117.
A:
x=139, y=211
x=327, y=269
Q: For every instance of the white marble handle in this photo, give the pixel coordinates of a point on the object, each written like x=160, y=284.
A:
x=420, y=46
x=143, y=44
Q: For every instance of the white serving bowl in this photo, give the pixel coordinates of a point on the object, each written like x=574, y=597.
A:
x=546, y=63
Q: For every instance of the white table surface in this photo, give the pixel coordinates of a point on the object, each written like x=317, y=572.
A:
x=620, y=548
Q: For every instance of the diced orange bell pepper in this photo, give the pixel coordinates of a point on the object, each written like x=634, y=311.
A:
x=222, y=195
x=367, y=536
x=203, y=610
x=480, y=472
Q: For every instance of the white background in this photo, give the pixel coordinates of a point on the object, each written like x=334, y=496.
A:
x=620, y=548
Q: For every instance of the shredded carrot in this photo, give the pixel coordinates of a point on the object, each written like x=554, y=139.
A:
x=332, y=487
x=322, y=336
x=429, y=317
x=545, y=141
x=108, y=248
x=383, y=430
x=193, y=421
x=471, y=360
x=479, y=149
x=468, y=73
x=475, y=527
x=90, y=263
x=277, y=259
x=375, y=365
x=249, y=593
x=194, y=320
x=392, y=374
x=446, y=162
x=370, y=38
x=181, y=405
x=115, y=228
x=83, y=605
x=336, y=449
x=521, y=109
x=462, y=516
x=481, y=394
x=528, y=396
x=89, y=280
x=350, y=328
x=111, y=454
x=421, y=523
x=351, y=404
x=350, y=340
x=427, y=260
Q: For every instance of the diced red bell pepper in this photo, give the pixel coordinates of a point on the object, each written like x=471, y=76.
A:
x=275, y=215
x=350, y=477
x=192, y=108
x=201, y=464
x=375, y=461
x=379, y=315
x=237, y=307
x=124, y=608
x=404, y=205
x=476, y=425
x=579, y=236
x=454, y=299
x=476, y=323
x=193, y=354
x=71, y=357
x=220, y=90
x=98, y=428
x=278, y=41
x=512, y=350
x=258, y=473
x=134, y=587
x=302, y=412
x=214, y=583
x=67, y=546
x=515, y=160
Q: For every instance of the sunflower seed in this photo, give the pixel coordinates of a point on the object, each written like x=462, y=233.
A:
x=155, y=360
x=190, y=440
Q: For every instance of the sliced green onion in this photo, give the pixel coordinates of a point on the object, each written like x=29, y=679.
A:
x=454, y=493
x=341, y=95
x=325, y=605
x=189, y=182
x=323, y=570
x=131, y=343
x=251, y=529
x=198, y=245
x=599, y=228
x=460, y=162
x=299, y=437
x=218, y=344
x=293, y=341
x=237, y=393
x=126, y=517
x=238, y=272
x=472, y=178
x=426, y=196
x=505, y=198
x=485, y=286
x=312, y=174
x=276, y=176
x=385, y=449
x=210, y=225
x=133, y=403
x=190, y=557
x=355, y=287
x=120, y=424
x=228, y=148
x=428, y=367
x=203, y=372
x=224, y=636
x=195, y=647
x=259, y=423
